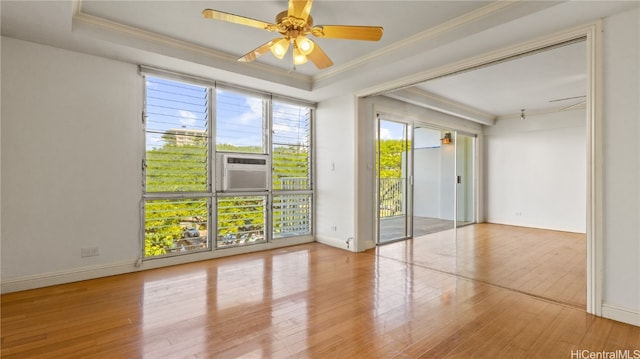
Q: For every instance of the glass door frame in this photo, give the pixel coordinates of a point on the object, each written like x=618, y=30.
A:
x=470, y=175
x=407, y=181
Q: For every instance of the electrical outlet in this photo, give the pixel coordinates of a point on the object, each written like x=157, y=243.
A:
x=89, y=252
x=334, y=228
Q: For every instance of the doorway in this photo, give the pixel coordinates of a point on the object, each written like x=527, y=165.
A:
x=592, y=103
x=424, y=178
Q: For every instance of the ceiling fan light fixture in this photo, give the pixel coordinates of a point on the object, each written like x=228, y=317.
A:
x=294, y=24
x=298, y=57
x=280, y=48
x=304, y=44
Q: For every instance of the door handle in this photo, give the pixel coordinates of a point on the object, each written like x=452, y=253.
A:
x=459, y=179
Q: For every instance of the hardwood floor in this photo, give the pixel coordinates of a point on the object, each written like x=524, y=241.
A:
x=305, y=301
x=548, y=264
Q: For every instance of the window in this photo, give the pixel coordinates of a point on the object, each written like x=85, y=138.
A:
x=241, y=220
x=291, y=147
x=186, y=209
x=291, y=215
x=176, y=165
x=175, y=225
x=240, y=122
x=176, y=137
x=291, y=176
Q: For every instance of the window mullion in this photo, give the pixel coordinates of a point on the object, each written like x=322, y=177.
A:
x=211, y=116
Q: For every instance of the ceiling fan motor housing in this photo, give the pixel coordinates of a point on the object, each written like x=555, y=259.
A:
x=291, y=26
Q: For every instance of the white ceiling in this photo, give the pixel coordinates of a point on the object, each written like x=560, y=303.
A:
x=418, y=35
x=545, y=81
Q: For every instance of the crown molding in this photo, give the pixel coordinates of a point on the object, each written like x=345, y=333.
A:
x=134, y=32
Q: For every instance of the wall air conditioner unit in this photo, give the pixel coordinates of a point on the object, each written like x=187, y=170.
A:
x=243, y=172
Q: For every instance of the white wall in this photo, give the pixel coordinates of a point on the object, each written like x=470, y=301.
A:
x=334, y=134
x=536, y=171
x=621, y=167
x=434, y=178
x=426, y=189
x=70, y=161
x=426, y=172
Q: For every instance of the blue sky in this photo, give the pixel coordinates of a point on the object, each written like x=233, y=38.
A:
x=173, y=105
x=392, y=130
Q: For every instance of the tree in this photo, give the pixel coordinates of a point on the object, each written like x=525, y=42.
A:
x=391, y=153
x=390, y=166
x=174, y=168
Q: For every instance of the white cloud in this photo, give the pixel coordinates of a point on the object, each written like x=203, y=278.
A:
x=280, y=127
x=254, y=113
x=187, y=118
x=385, y=134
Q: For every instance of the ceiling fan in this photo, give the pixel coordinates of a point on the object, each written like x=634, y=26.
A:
x=295, y=24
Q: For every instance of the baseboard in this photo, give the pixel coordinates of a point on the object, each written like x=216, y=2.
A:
x=532, y=225
x=624, y=315
x=61, y=277
x=366, y=244
x=335, y=242
x=123, y=267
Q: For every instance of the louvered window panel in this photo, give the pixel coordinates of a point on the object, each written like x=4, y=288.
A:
x=174, y=226
x=291, y=149
x=291, y=215
x=176, y=136
x=241, y=220
x=240, y=122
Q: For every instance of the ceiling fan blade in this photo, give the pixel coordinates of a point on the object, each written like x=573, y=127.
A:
x=236, y=19
x=259, y=51
x=368, y=33
x=319, y=58
x=300, y=9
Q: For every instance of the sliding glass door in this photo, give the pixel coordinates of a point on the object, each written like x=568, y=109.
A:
x=465, y=189
x=425, y=180
x=392, y=176
x=433, y=174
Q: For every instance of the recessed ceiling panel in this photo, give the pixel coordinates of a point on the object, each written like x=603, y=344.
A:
x=183, y=20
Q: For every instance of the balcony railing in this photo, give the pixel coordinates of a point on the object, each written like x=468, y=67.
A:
x=294, y=183
x=391, y=197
